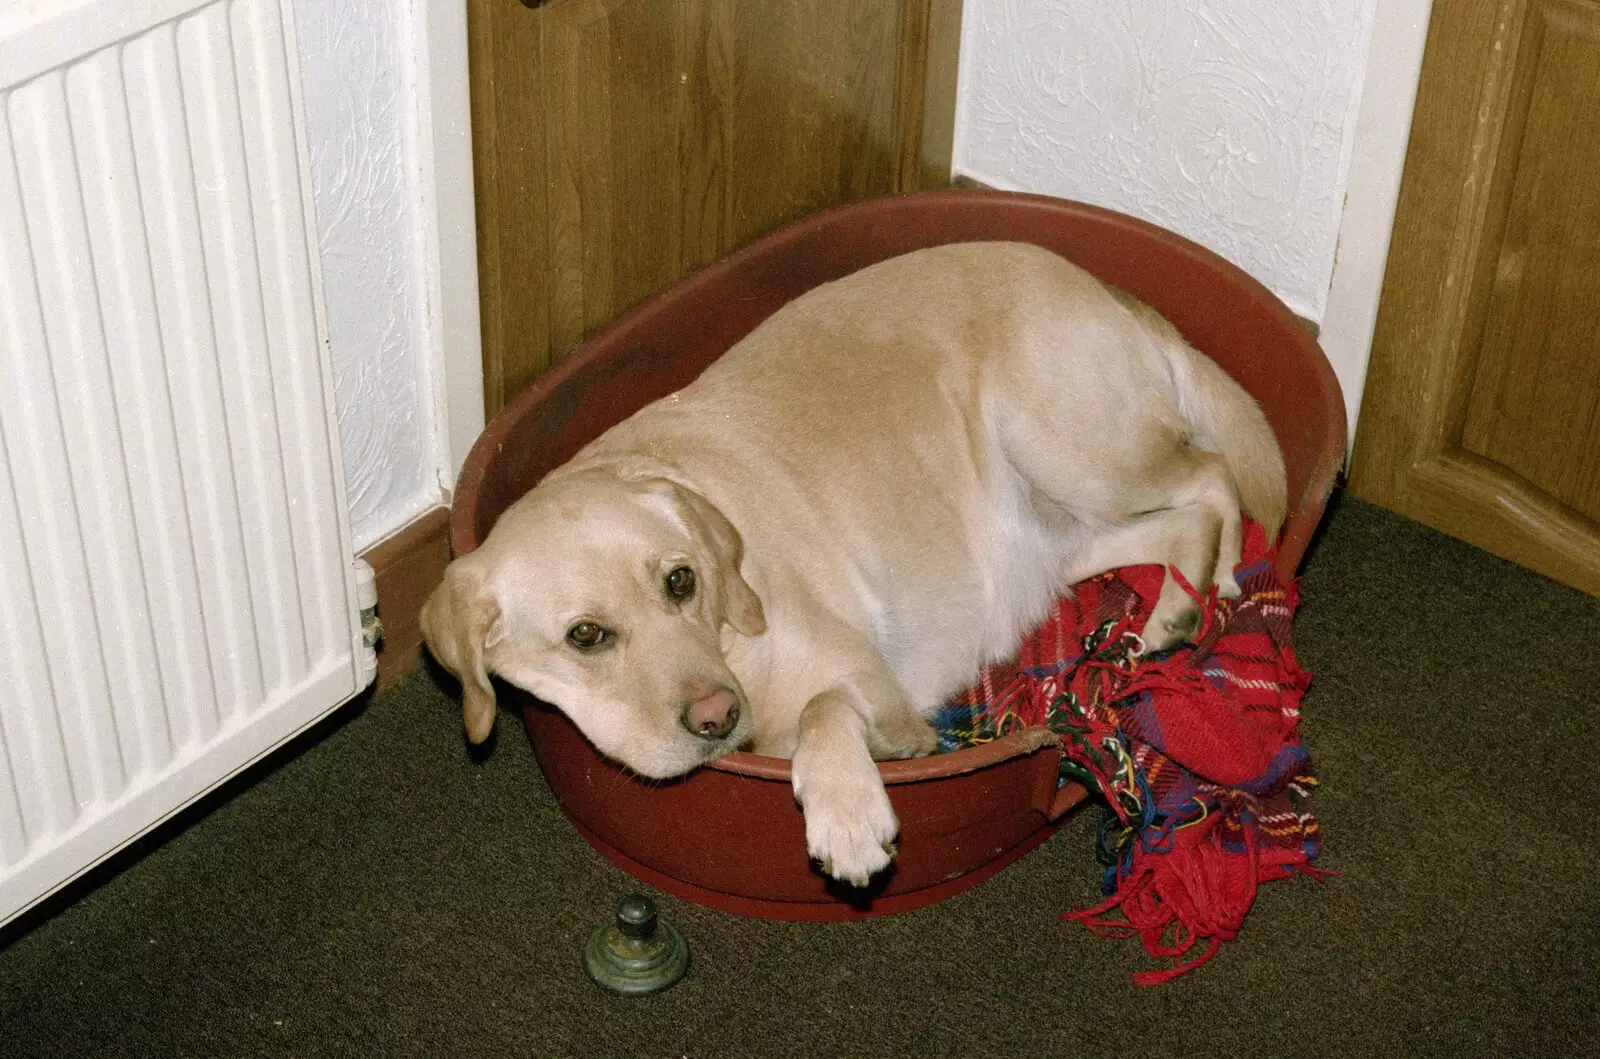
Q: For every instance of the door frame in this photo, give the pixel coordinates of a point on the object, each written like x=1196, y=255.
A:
x=441, y=150
x=1372, y=190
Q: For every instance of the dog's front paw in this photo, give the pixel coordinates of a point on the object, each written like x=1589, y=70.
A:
x=850, y=825
x=851, y=838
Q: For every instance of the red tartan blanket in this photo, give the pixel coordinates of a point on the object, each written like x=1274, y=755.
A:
x=1196, y=752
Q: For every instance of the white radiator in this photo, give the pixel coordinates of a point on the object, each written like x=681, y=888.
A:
x=176, y=595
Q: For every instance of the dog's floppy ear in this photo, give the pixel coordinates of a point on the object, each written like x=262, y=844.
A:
x=741, y=605
x=460, y=622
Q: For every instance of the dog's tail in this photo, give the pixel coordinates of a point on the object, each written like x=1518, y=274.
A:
x=1226, y=420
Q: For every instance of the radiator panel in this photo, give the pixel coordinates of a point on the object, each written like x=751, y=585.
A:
x=175, y=594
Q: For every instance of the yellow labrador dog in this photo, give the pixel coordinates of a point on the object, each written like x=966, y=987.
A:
x=879, y=490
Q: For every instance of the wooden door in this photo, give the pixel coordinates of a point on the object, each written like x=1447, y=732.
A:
x=1482, y=409
x=621, y=143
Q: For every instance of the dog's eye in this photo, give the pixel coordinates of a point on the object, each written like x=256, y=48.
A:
x=680, y=583
x=586, y=635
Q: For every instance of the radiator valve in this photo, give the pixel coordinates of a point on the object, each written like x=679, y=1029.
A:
x=367, y=600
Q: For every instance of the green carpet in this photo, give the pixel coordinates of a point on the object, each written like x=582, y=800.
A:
x=376, y=891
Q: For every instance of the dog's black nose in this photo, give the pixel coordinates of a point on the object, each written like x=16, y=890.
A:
x=712, y=716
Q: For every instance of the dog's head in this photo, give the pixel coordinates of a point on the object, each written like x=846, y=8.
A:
x=607, y=598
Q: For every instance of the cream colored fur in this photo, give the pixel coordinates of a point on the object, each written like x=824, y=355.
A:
x=879, y=490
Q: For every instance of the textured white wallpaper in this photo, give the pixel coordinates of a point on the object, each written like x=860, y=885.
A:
x=1228, y=121
x=354, y=64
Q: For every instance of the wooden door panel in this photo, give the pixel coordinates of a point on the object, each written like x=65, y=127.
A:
x=509, y=153
x=813, y=109
x=705, y=139
x=619, y=144
x=617, y=92
x=1480, y=413
x=679, y=129
x=1535, y=392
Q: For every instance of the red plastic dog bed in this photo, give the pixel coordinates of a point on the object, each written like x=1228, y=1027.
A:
x=729, y=835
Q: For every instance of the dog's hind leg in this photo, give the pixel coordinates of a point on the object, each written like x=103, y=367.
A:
x=1193, y=524
x=1179, y=510
x=1183, y=537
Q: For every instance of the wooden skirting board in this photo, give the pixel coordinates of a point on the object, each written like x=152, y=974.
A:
x=408, y=565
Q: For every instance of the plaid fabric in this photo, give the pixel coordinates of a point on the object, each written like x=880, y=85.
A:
x=1196, y=751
